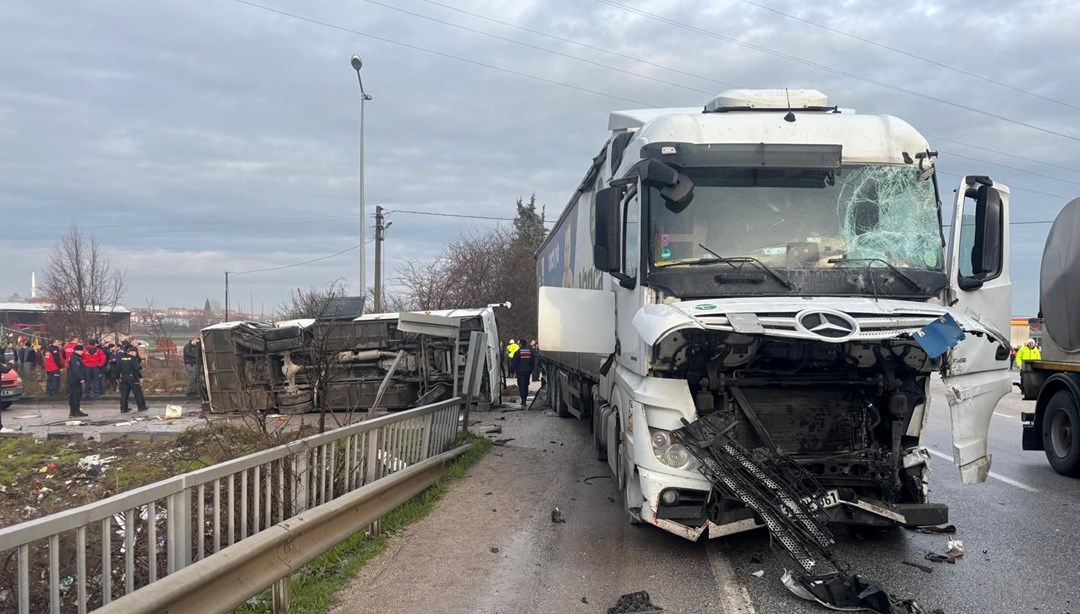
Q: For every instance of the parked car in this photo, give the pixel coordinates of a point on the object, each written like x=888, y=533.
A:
x=11, y=388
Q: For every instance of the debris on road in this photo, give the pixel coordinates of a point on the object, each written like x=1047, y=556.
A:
x=948, y=528
x=585, y=601
x=758, y=573
x=934, y=557
x=919, y=566
x=26, y=416
x=489, y=430
x=634, y=603
x=595, y=477
x=954, y=549
x=494, y=550
x=556, y=516
x=789, y=501
x=502, y=442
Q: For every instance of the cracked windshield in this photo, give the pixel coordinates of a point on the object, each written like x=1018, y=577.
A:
x=803, y=219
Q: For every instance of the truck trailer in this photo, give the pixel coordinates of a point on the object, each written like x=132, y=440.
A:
x=1053, y=381
x=774, y=264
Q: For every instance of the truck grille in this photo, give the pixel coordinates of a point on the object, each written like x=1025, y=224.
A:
x=871, y=326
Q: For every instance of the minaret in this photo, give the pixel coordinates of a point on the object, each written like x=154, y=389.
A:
x=33, y=285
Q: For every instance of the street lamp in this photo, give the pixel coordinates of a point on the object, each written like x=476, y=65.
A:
x=357, y=63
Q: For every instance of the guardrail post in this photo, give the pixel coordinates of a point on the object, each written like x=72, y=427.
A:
x=282, y=595
x=178, y=540
x=302, y=480
x=425, y=446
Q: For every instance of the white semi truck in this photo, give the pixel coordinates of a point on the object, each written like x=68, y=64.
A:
x=777, y=262
x=1053, y=381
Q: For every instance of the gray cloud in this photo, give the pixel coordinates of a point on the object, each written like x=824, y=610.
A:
x=195, y=137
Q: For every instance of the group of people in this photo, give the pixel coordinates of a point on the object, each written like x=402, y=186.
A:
x=90, y=369
x=523, y=363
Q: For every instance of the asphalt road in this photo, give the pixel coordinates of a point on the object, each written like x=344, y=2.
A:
x=1019, y=530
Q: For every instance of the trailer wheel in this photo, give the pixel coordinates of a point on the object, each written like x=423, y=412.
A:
x=561, y=408
x=597, y=433
x=1061, y=421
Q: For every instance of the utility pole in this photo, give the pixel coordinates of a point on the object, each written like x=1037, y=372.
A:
x=379, y=228
x=226, y=296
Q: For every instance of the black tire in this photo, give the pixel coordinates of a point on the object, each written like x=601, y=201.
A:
x=5, y=404
x=1061, y=439
x=633, y=516
x=597, y=432
x=300, y=402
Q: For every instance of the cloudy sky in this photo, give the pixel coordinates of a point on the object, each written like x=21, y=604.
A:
x=193, y=137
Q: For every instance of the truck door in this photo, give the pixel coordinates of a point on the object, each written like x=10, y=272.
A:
x=976, y=372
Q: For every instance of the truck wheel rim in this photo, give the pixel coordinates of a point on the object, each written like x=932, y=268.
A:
x=1061, y=433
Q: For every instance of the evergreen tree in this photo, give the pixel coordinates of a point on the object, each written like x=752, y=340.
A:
x=529, y=224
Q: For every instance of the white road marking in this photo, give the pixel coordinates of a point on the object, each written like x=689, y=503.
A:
x=1000, y=478
x=734, y=599
x=997, y=413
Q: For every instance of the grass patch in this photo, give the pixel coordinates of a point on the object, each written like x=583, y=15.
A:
x=315, y=586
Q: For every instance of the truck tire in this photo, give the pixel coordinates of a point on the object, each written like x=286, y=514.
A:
x=1061, y=421
x=597, y=433
x=5, y=404
x=627, y=487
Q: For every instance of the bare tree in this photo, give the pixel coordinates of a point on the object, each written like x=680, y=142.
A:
x=161, y=330
x=82, y=285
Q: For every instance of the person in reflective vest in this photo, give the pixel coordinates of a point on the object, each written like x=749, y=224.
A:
x=522, y=365
x=1029, y=352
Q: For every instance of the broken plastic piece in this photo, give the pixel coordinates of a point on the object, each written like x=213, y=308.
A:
x=939, y=336
x=919, y=566
x=758, y=573
x=954, y=549
x=948, y=528
x=934, y=557
x=840, y=591
x=634, y=603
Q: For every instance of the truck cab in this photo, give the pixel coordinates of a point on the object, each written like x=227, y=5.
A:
x=777, y=260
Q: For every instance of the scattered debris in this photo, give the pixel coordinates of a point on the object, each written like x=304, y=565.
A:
x=489, y=430
x=488, y=493
x=948, y=528
x=122, y=424
x=611, y=499
x=791, y=508
x=502, y=442
x=585, y=601
x=851, y=592
x=74, y=423
x=919, y=566
x=94, y=465
x=934, y=557
x=494, y=550
x=173, y=411
x=636, y=603
x=595, y=477
x=954, y=549
x=556, y=516
x=26, y=416
x=758, y=573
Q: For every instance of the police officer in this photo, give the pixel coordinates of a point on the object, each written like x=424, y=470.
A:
x=129, y=368
x=522, y=365
x=76, y=377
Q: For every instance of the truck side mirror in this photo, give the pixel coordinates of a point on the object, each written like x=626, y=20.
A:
x=607, y=253
x=986, y=253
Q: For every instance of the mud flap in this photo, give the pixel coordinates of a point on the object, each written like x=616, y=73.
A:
x=972, y=398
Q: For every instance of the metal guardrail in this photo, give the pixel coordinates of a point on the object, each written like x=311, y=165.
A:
x=99, y=552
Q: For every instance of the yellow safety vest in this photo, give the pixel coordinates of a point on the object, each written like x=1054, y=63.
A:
x=1026, y=353
x=512, y=349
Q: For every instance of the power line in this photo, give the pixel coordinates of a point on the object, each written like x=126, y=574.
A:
x=290, y=266
x=1000, y=153
x=1022, y=170
x=615, y=96
x=912, y=55
x=1015, y=187
x=537, y=47
x=579, y=44
x=440, y=53
x=462, y=215
x=830, y=69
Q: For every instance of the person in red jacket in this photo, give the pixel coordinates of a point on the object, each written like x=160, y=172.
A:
x=54, y=361
x=69, y=349
x=95, y=360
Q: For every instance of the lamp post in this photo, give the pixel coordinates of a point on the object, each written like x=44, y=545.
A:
x=357, y=63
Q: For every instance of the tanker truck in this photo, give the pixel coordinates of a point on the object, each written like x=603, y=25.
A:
x=777, y=265
x=1053, y=382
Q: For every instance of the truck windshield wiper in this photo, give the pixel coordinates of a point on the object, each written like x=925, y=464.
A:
x=843, y=259
x=733, y=260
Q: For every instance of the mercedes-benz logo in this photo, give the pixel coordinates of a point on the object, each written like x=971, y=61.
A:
x=830, y=325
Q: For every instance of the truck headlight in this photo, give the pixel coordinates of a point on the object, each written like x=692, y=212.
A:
x=672, y=454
